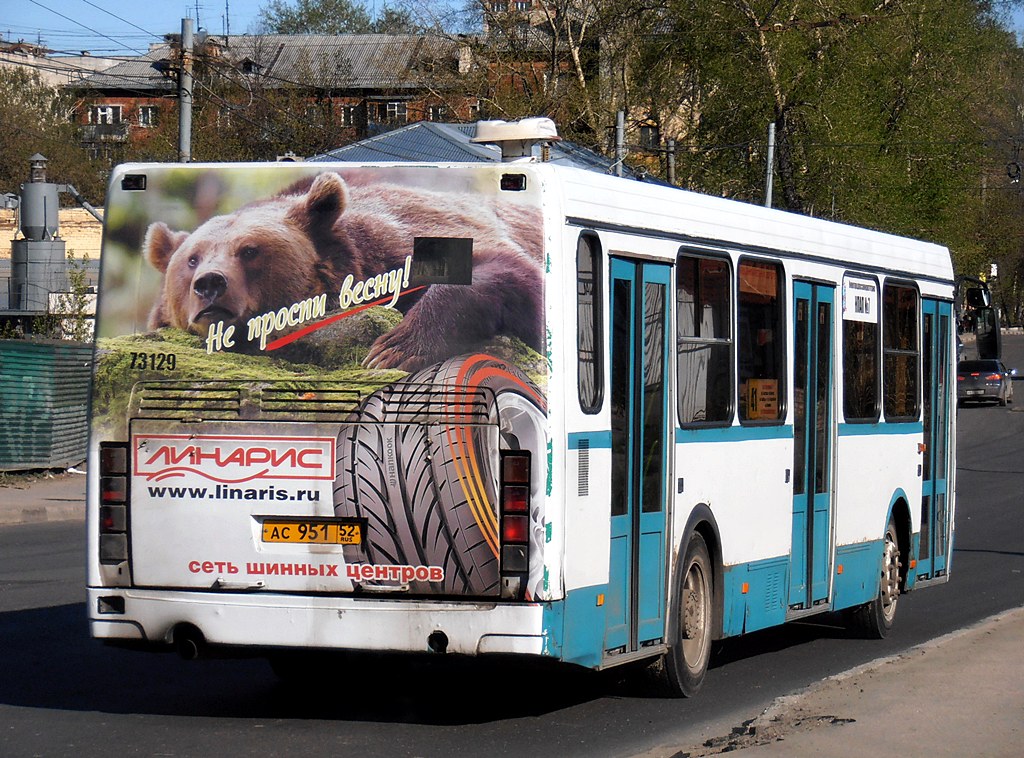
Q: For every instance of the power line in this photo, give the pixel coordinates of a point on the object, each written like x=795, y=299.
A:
x=79, y=23
x=31, y=31
x=126, y=21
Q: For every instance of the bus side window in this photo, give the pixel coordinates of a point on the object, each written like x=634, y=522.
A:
x=901, y=354
x=860, y=350
x=704, y=339
x=588, y=323
x=761, y=341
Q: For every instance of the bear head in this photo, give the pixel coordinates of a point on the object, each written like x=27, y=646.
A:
x=264, y=256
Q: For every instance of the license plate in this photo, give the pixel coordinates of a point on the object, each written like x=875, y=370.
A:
x=974, y=392
x=314, y=532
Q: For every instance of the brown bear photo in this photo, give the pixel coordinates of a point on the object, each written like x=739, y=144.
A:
x=324, y=233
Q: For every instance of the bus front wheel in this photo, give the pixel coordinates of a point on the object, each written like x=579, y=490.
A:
x=686, y=662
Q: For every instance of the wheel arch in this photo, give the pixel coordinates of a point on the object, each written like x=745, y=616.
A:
x=899, y=514
x=702, y=521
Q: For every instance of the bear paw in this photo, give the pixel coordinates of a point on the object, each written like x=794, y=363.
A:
x=401, y=349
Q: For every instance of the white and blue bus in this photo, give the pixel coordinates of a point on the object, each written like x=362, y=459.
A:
x=511, y=408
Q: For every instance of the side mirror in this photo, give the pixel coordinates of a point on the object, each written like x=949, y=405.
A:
x=977, y=297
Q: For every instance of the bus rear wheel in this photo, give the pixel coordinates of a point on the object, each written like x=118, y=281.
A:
x=876, y=618
x=686, y=663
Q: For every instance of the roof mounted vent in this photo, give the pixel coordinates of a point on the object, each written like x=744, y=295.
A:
x=517, y=138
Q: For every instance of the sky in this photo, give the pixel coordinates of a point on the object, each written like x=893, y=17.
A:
x=117, y=27
x=126, y=27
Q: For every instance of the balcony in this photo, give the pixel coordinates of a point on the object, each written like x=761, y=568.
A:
x=104, y=132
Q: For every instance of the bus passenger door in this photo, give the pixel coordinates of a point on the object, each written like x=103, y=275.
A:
x=934, y=502
x=810, y=558
x=635, y=606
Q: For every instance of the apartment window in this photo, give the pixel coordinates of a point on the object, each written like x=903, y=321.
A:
x=349, y=115
x=650, y=136
x=318, y=111
x=704, y=339
x=391, y=112
x=436, y=113
x=101, y=152
x=105, y=114
x=147, y=115
x=396, y=113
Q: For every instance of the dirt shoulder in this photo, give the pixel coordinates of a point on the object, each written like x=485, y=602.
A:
x=42, y=495
x=961, y=694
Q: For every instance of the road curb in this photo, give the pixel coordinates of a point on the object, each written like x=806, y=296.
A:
x=42, y=514
x=59, y=496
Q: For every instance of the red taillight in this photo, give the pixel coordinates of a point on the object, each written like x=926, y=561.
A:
x=993, y=377
x=515, y=529
x=515, y=469
x=113, y=505
x=113, y=489
x=515, y=523
x=515, y=499
x=113, y=459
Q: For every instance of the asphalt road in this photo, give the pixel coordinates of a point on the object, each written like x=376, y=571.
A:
x=63, y=694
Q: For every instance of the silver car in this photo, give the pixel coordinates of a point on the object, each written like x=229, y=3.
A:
x=984, y=380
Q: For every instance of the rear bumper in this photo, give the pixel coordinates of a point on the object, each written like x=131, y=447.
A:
x=284, y=621
x=979, y=393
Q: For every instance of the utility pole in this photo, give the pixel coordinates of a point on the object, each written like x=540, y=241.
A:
x=671, y=162
x=185, y=94
x=770, y=173
x=620, y=141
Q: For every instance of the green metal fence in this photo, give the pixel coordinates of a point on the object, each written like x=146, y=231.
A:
x=44, y=399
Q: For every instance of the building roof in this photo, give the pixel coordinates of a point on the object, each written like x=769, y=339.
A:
x=53, y=70
x=323, y=61
x=149, y=72
x=425, y=141
x=345, y=61
x=431, y=142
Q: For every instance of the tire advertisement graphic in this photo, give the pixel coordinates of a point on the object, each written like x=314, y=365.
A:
x=402, y=318
x=428, y=490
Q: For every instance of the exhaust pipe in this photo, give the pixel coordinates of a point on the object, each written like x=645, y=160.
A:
x=437, y=642
x=189, y=642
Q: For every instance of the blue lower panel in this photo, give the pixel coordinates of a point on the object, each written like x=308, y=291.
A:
x=858, y=572
x=652, y=587
x=575, y=627
x=764, y=602
x=616, y=610
x=915, y=553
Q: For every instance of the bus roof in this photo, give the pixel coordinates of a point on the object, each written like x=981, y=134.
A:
x=698, y=218
x=599, y=200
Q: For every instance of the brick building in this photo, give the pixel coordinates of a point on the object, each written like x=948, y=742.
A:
x=361, y=84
